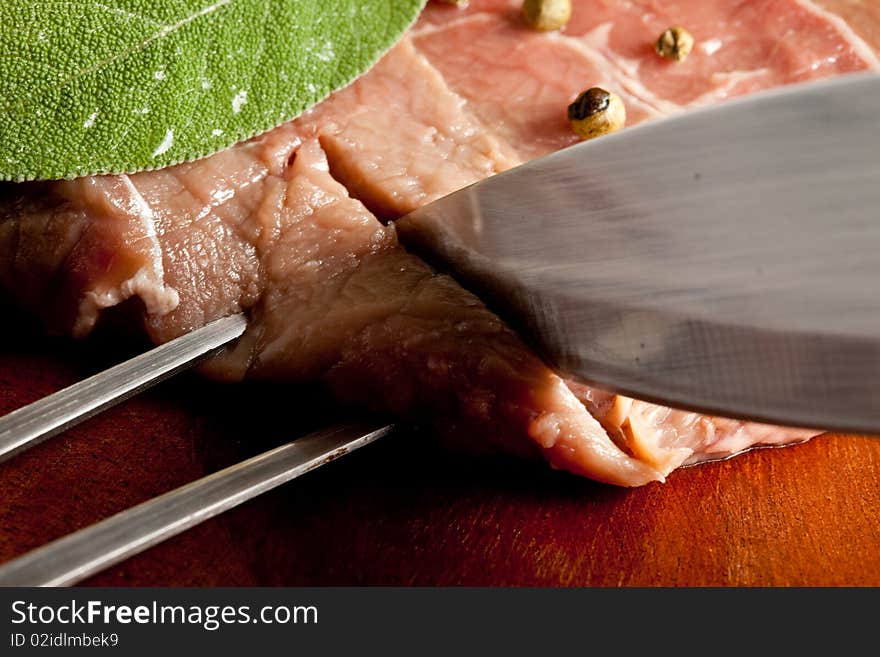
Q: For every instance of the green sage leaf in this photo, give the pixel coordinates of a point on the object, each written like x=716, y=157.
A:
x=89, y=86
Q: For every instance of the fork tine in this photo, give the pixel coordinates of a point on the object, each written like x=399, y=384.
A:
x=34, y=423
x=85, y=552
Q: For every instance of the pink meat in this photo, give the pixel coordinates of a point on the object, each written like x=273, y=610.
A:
x=517, y=81
x=430, y=145
x=742, y=46
x=284, y=227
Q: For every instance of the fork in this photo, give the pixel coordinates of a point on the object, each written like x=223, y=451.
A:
x=83, y=553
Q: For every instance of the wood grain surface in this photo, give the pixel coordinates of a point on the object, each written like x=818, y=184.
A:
x=406, y=512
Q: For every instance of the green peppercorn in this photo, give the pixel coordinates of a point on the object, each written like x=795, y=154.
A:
x=675, y=43
x=547, y=15
x=596, y=112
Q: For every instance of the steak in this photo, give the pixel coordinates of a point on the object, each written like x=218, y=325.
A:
x=286, y=227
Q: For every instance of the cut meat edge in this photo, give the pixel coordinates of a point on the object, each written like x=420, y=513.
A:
x=386, y=322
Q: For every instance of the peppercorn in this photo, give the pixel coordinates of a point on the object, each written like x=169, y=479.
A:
x=675, y=43
x=547, y=15
x=596, y=112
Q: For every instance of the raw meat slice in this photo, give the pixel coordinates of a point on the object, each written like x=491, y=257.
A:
x=452, y=45
x=434, y=148
x=444, y=14
x=73, y=257
x=863, y=16
x=277, y=227
x=344, y=303
x=204, y=215
x=172, y=238
x=667, y=438
x=519, y=82
x=741, y=47
x=341, y=302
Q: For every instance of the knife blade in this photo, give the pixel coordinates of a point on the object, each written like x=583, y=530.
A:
x=726, y=260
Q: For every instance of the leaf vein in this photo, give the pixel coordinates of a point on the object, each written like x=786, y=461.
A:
x=159, y=34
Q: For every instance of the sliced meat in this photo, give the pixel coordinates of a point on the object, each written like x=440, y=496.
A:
x=513, y=62
x=400, y=138
x=443, y=14
x=741, y=47
x=519, y=82
x=516, y=80
x=667, y=438
x=205, y=216
x=69, y=250
x=283, y=227
x=345, y=304
x=340, y=302
x=862, y=16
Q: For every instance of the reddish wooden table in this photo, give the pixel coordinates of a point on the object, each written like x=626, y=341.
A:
x=406, y=512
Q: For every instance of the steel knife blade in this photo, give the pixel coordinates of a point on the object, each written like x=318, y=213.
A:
x=724, y=260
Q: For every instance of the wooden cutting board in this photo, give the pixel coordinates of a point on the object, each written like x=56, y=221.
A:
x=406, y=512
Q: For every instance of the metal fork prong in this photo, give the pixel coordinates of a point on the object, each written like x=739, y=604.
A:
x=85, y=552
x=30, y=425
